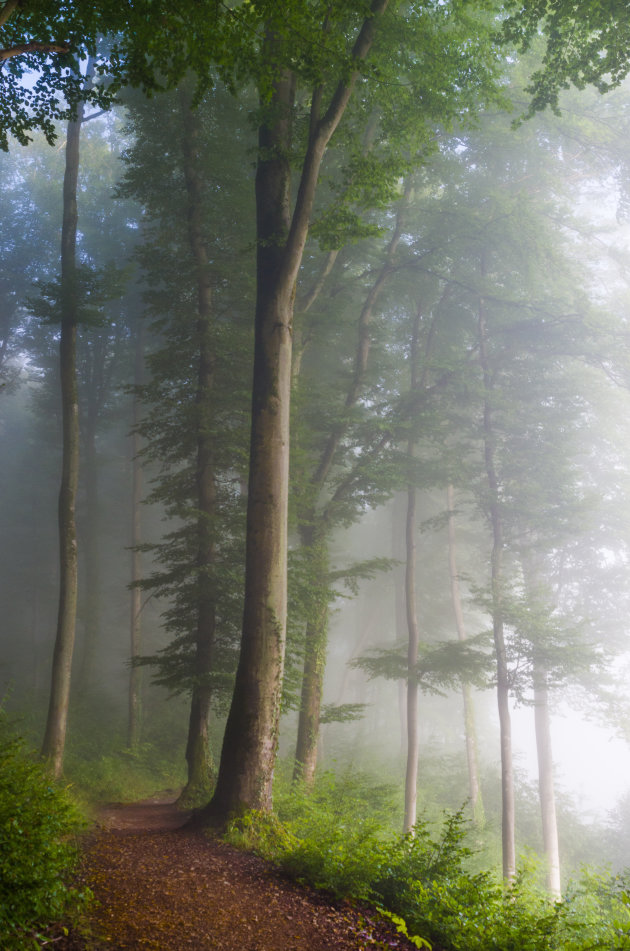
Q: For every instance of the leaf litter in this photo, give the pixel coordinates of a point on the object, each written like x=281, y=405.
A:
x=162, y=886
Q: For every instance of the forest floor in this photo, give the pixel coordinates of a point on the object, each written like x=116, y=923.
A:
x=161, y=886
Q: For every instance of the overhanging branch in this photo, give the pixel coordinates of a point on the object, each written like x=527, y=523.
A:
x=33, y=47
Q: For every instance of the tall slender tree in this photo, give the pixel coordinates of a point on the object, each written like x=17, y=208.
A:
x=249, y=747
x=56, y=723
x=470, y=732
x=134, y=721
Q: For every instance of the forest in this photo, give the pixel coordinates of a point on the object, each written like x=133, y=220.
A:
x=315, y=441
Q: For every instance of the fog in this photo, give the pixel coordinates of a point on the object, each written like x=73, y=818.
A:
x=461, y=325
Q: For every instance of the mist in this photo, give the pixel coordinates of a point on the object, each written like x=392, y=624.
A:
x=458, y=525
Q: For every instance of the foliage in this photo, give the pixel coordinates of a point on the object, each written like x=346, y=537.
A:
x=177, y=417
x=38, y=821
x=260, y=832
x=151, y=46
x=124, y=774
x=339, y=839
x=440, y=666
x=341, y=712
x=585, y=42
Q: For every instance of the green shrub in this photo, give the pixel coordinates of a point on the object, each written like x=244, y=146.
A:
x=123, y=775
x=37, y=845
x=262, y=833
x=338, y=837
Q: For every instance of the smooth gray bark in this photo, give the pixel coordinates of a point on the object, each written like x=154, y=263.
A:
x=508, y=840
x=57, y=719
x=134, y=724
x=470, y=733
x=250, y=741
x=546, y=785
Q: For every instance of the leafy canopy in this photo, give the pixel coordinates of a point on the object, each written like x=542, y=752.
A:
x=586, y=42
x=152, y=44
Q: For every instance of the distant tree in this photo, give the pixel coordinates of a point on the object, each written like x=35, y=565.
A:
x=472, y=761
x=333, y=489
x=194, y=412
x=528, y=331
x=134, y=721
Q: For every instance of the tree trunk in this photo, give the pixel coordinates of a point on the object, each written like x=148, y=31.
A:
x=57, y=719
x=411, y=607
x=314, y=661
x=90, y=536
x=542, y=721
x=251, y=735
x=198, y=755
x=411, y=775
x=400, y=614
x=134, y=725
x=496, y=582
x=545, y=783
x=470, y=732
x=314, y=524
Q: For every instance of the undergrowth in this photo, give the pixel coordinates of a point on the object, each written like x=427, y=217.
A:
x=38, y=850
x=339, y=838
x=122, y=775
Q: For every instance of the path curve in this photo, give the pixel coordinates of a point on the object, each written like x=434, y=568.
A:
x=160, y=886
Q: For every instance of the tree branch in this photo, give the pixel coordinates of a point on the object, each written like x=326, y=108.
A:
x=320, y=137
x=7, y=10
x=33, y=47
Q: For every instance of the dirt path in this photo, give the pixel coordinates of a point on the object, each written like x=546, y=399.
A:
x=161, y=887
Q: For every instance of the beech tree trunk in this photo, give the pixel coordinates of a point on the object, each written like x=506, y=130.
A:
x=470, y=732
x=545, y=783
x=198, y=754
x=250, y=741
x=316, y=638
x=251, y=735
x=542, y=721
x=135, y=628
x=399, y=509
x=57, y=719
x=91, y=600
x=411, y=608
x=315, y=525
x=496, y=583
x=411, y=775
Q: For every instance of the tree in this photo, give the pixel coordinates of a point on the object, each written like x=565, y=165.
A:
x=516, y=329
x=198, y=754
x=135, y=622
x=56, y=723
x=472, y=762
x=48, y=39
x=250, y=741
x=326, y=492
x=149, y=45
x=258, y=41
x=194, y=415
